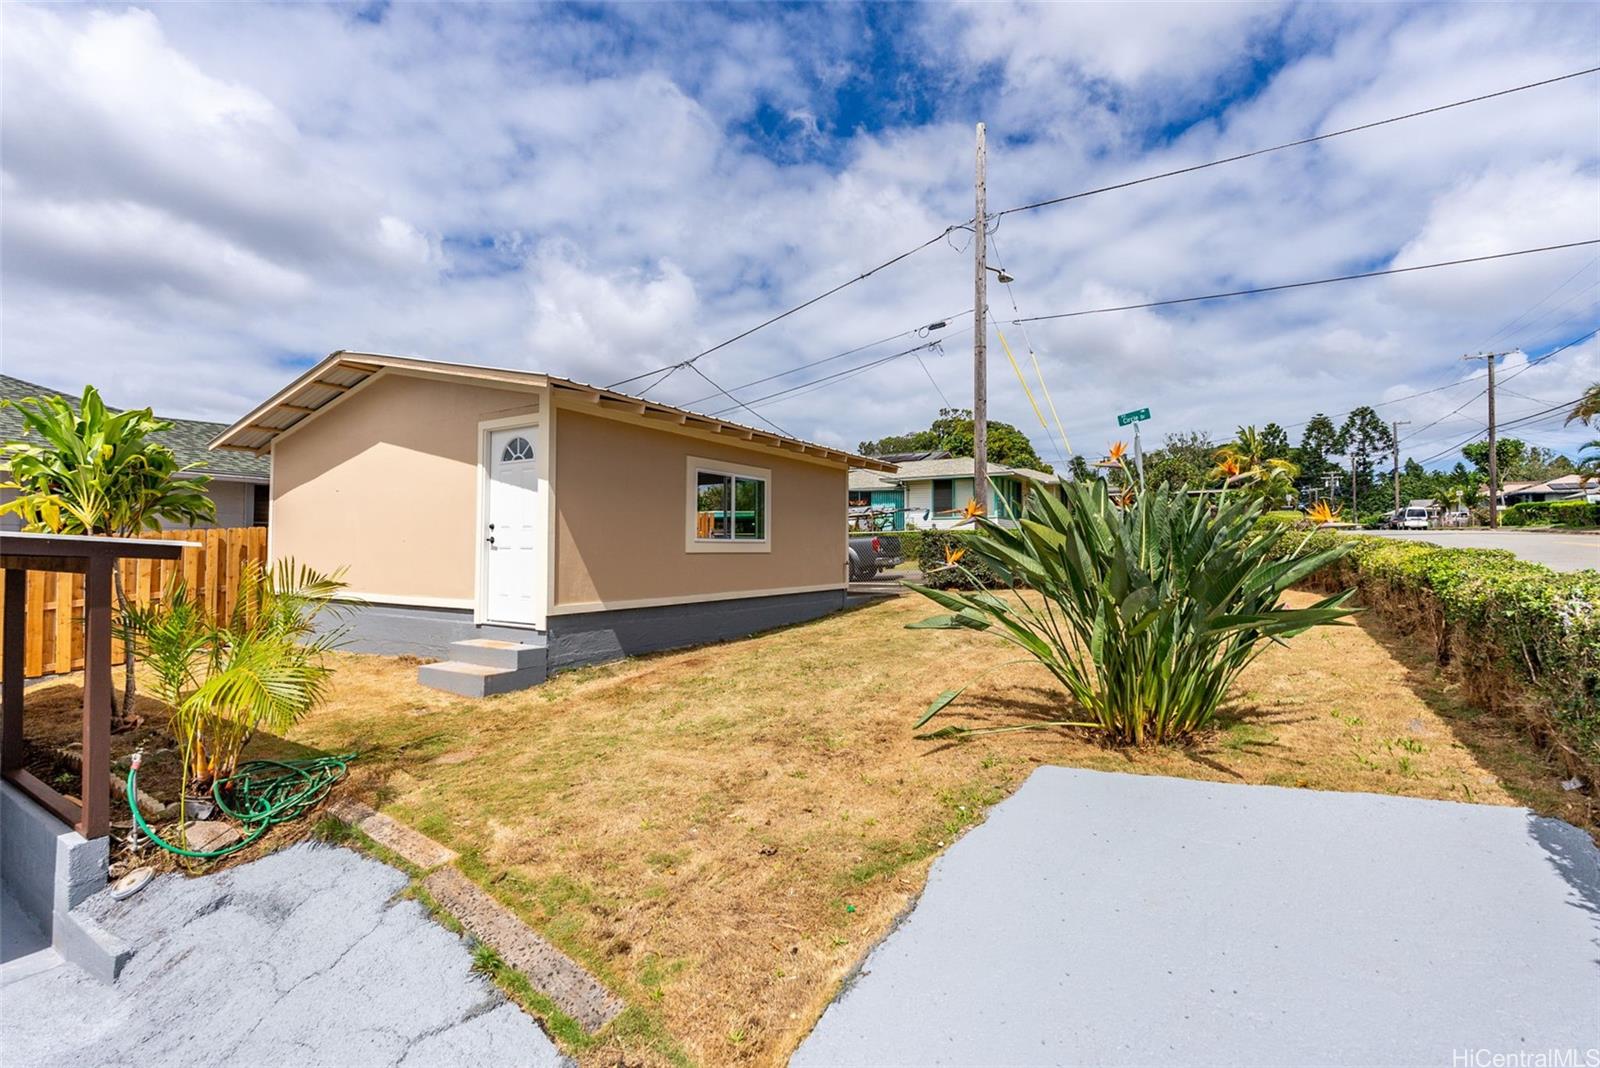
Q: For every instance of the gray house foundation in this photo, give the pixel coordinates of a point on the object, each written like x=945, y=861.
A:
x=580, y=638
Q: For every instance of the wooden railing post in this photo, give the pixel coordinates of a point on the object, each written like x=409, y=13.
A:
x=13, y=669
x=95, y=821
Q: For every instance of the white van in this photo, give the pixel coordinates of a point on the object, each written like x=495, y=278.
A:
x=1414, y=519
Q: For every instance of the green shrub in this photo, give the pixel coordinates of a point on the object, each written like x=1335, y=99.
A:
x=1145, y=614
x=910, y=544
x=1526, y=638
x=936, y=572
x=1283, y=518
x=1552, y=514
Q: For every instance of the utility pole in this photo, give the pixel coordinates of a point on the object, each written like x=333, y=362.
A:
x=980, y=334
x=1494, y=458
x=1394, y=438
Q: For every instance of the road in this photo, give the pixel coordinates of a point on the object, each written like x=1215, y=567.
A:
x=1564, y=552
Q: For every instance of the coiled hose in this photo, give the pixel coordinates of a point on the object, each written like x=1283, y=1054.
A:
x=264, y=793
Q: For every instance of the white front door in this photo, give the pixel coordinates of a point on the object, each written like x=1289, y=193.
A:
x=514, y=542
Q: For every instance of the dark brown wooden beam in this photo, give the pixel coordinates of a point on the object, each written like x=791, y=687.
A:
x=64, y=809
x=13, y=669
x=95, y=821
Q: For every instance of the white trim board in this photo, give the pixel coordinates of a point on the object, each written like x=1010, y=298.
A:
x=406, y=601
x=657, y=602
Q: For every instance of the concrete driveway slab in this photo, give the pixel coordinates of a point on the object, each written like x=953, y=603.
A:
x=1116, y=919
x=303, y=957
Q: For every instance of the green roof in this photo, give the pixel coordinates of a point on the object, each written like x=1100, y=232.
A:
x=188, y=439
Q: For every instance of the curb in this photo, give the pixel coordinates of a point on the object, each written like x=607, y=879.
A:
x=551, y=972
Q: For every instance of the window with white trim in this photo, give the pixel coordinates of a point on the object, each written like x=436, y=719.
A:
x=729, y=506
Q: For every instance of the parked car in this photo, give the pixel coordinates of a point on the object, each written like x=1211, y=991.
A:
x=1414, y=519
x=872, y=553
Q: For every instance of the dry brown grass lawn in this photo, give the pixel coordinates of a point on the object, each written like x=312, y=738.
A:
x=720, y=833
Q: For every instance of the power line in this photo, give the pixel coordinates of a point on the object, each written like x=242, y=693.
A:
x=1498, y=333
x=805, y=387
x=1553, y=352
x=919, y=331
x=798, y=307
x=1292, y=144
x=737, y=403
x=1420, y=430
x=1302, y=285
x=933, y=381
x=944, y=234
x=1063, y=445
x=1525, y=420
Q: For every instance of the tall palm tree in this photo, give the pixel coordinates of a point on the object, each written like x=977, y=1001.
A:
x=1588, y=406
x=85, y=469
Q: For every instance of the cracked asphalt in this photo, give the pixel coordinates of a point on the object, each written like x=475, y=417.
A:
x=304, y=957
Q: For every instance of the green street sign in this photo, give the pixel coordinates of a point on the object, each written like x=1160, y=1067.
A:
x=1133, y=417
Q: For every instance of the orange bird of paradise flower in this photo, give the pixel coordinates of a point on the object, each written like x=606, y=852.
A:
x=972, y=511
x=1117, y=451
x=952, y=555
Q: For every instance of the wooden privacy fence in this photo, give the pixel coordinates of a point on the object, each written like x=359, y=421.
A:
x=54, y=617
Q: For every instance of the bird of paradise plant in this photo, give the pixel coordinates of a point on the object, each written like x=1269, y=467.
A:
x=1322, y=512
x=1145, y=614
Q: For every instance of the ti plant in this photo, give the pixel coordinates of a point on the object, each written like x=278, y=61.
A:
x=1145, y=613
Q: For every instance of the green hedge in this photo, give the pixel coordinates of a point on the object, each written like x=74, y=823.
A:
x=939, y=575
x=1553, y=514
x=1525, y=638
x=910, y=544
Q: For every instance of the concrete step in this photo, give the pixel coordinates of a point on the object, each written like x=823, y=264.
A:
x=478, y=680
x=496, y=653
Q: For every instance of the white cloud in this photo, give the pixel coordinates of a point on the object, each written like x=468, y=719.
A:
x=195, y=199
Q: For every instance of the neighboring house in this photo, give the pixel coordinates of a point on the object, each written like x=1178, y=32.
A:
x=492, y=503
x=1565, y=488
x=935, y=492
x=238, y=485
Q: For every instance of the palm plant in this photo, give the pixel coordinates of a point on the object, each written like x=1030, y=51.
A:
x=1589, y=462
x=1587, y=408
x=1145, y=614
x=95, y=471
x=1244, y=464
x=261, y=667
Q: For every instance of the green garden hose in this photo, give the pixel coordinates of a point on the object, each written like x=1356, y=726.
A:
x=264, y=794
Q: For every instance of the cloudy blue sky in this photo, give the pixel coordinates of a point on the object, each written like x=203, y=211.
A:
x=200, y=199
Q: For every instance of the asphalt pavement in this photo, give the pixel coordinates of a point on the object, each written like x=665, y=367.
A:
x=305, y=957
x=1562, y=551
x=1113, y=919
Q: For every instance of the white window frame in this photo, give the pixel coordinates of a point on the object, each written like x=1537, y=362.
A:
x=695, y=467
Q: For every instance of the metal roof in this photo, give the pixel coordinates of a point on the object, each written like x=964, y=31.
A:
x=324, y=385
x=961, y=467
x=189, y=439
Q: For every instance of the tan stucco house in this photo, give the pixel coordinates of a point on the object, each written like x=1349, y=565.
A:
x=500, y=508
